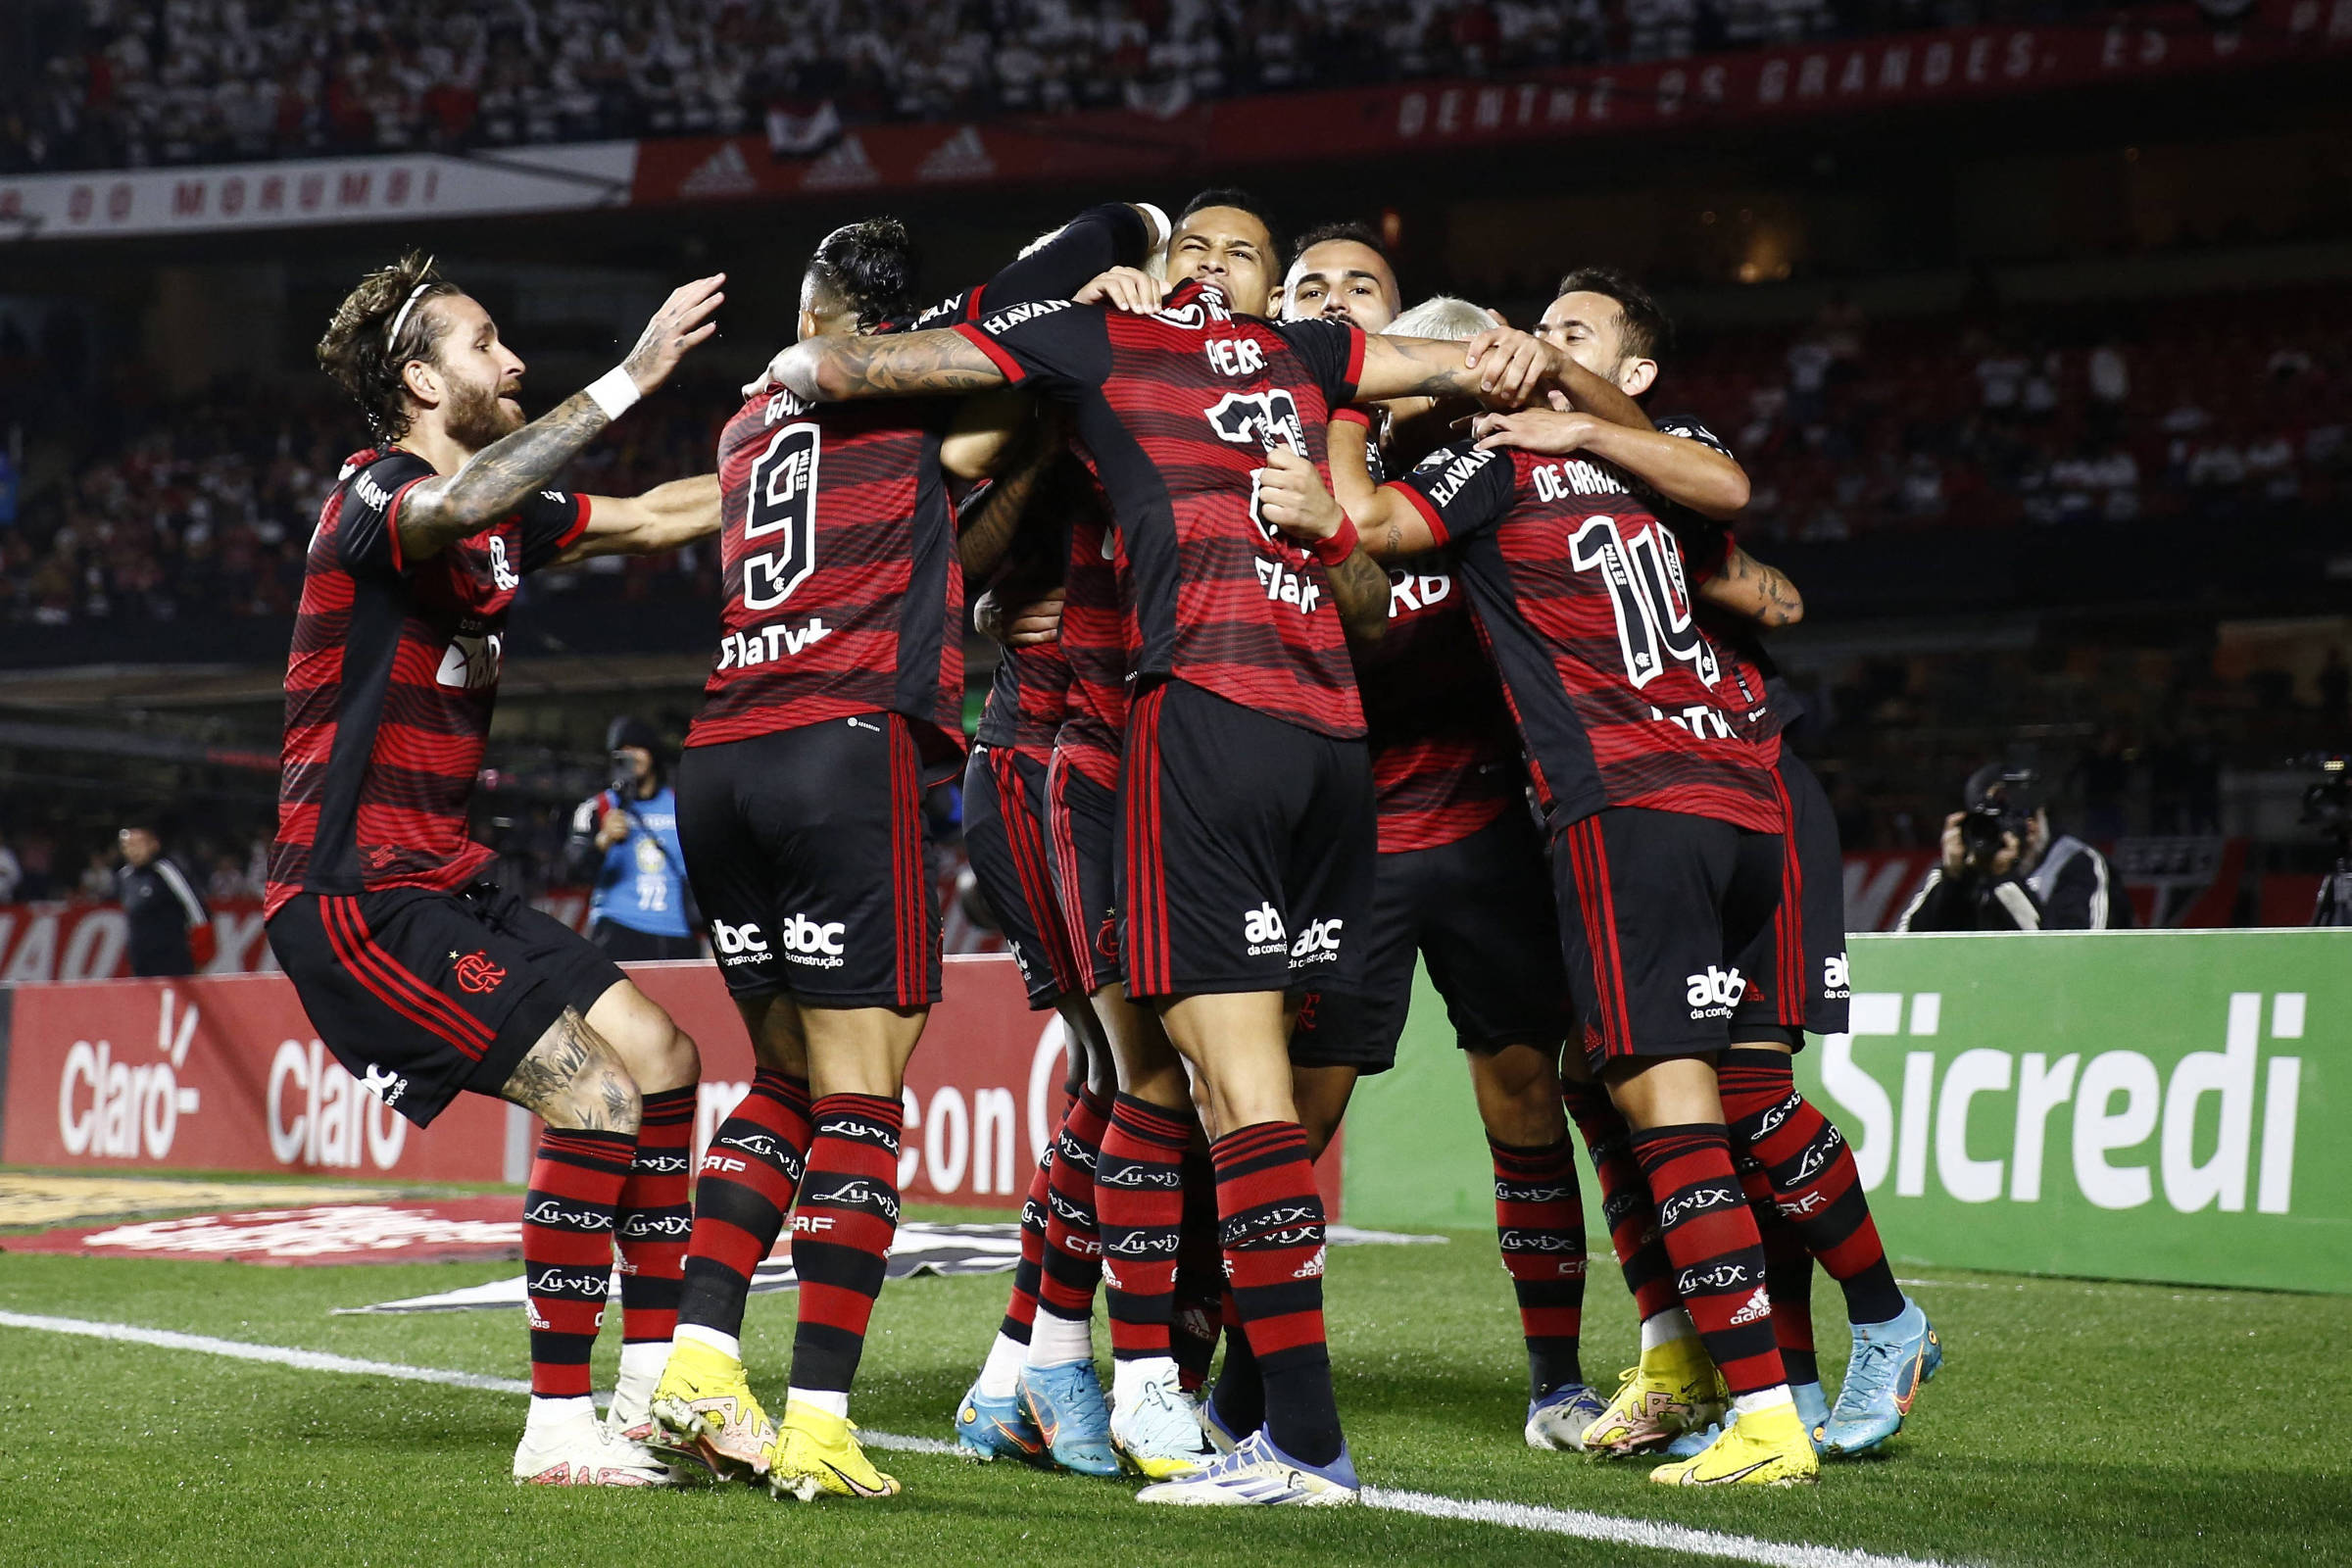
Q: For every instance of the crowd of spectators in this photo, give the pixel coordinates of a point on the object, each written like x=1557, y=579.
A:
x=140, y=82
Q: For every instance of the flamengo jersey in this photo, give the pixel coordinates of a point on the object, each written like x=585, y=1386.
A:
x=1620, y=699
x=1445, y=760
x=842, y=592
x=1176, y=411
x=390, y=685
x=1028, y=696
x=1098, y=634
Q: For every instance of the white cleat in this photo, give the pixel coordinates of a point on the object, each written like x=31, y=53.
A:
x=1257, y=1474
x=1157, y=1432
x=584, y=1452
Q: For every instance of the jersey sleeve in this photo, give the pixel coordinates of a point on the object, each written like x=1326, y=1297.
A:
x=1459, y=490
x=1096, y=240
x=551, y=520
x=1333, y=350
x=1690, y=429
x=1048, y=343
x=368, y=524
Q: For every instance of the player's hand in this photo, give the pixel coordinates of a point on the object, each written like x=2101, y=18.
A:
x=1291, y=496
x=1955, y=853
x=1512, y=365
x=1124, y=288
x=1535, y=430
x=1037, y=621
x=612, y=830
x=683, y=322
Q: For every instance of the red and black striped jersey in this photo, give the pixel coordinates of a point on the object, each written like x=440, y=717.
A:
x=391, y=682
x=1445, y=758
x=1098, y=635
x=1620, y=697
x=1176, y=412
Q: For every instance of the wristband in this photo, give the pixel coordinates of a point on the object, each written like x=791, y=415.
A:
x=614, y=393
x=1340, y=544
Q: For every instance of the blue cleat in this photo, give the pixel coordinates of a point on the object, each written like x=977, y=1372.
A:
x=1257, y=1474
x=1890, y=1361
x=1559, y=1418
x=1072, y=1416
x=997, y=1428
x=1812, y=1408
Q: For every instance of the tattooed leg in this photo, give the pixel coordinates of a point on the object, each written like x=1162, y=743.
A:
x=572, y=1079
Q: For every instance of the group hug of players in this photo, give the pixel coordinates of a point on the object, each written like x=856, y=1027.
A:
x=1335, y=638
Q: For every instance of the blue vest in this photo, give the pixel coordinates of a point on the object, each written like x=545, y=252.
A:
x=642, y=883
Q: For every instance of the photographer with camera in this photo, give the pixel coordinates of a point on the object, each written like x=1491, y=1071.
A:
x=624, y=842
x=2002, y=870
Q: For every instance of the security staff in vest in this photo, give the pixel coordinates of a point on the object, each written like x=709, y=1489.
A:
x=168, y=921
x=2002, y=870
x=624, y=841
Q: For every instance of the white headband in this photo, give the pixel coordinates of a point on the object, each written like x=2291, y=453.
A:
x=400, y=317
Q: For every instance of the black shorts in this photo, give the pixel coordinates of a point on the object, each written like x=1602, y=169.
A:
x=805, y=851
x=1244, y=848
x=1480, y=911
x=1081, y=822
x=1795, y=969
x=624, y=944
x=419, y=994
x=1004, y=838
x=1655, y=908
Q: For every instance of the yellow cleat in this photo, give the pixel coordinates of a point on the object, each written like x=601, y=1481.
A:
x=1762, y=1448
x=704, y=1410
x=1675, y=1388
x=817, y=1454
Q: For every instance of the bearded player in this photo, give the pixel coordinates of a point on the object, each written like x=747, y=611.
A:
x=422, y=975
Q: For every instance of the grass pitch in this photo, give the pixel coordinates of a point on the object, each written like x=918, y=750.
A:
x=2073, y=1423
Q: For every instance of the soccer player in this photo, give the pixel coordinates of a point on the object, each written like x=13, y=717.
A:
x=1643, y=743
x=1246, y=801
x=419, y=971
x=838, y=688
x=1794, y=1165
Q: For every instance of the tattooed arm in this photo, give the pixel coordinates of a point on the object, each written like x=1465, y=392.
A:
x=1502, y=364
x=494, y=481
x=986, y=533
x=1747, y=588
x=1291, y=496
x=894, y=364
x=1389, y=526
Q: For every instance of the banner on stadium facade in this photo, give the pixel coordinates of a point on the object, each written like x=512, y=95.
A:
x=226, y=1074
x=306, y=191
x=1896, y=70
x=2146, y=1106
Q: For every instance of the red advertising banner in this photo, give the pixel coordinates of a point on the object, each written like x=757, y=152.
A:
x=223, y=1073
x=1896, y=70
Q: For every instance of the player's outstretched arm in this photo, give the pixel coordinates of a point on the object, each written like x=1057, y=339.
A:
x=1500, y=364
x=1689, y=472
x=1291, y=496
x=495, y=479
x=651, y=524
x=1747, y=588
x=893, y=365
x=1019, y=459
x=1389, y=524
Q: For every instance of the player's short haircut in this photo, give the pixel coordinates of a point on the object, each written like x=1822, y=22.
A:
x=867, y=268
x=1642, y=329
x=1336, y=233
x=1441, y=315
x=1233, y=196
x=377, y=329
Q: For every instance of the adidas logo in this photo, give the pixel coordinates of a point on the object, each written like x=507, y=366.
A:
x=724, y=172
x=843, y=167
x=961, y=156
x=1758, y=1306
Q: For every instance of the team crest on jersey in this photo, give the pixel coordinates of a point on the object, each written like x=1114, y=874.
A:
x=477, y=974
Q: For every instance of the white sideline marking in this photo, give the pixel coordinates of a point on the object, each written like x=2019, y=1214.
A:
x=1644, y=1533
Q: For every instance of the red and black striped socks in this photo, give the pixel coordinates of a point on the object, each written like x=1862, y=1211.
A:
x=1200, y=1277
x=840, y=1238
x=1813, y=1177
x=1625, y=1206
x=1072, y=1261
x=748, y=1175
x=1139, y=1199
x=567, y=1217
x=1539, y=1224
x=656, y=1219
x=1272, y=1234
x=1709, y=1233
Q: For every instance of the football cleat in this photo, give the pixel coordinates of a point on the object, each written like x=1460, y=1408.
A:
x=582, y=1451
x=1257, y=1474
x=1890, y=1363
x=991, y=1429
x=1066, y=1402
x=1158, y=1432
x=1675, y=1388
x=1559, y=1419
x=1221, y=1437
x=1762, y=1448
x=704, y=1410
x=1812, y=1410
x=816, y=1455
